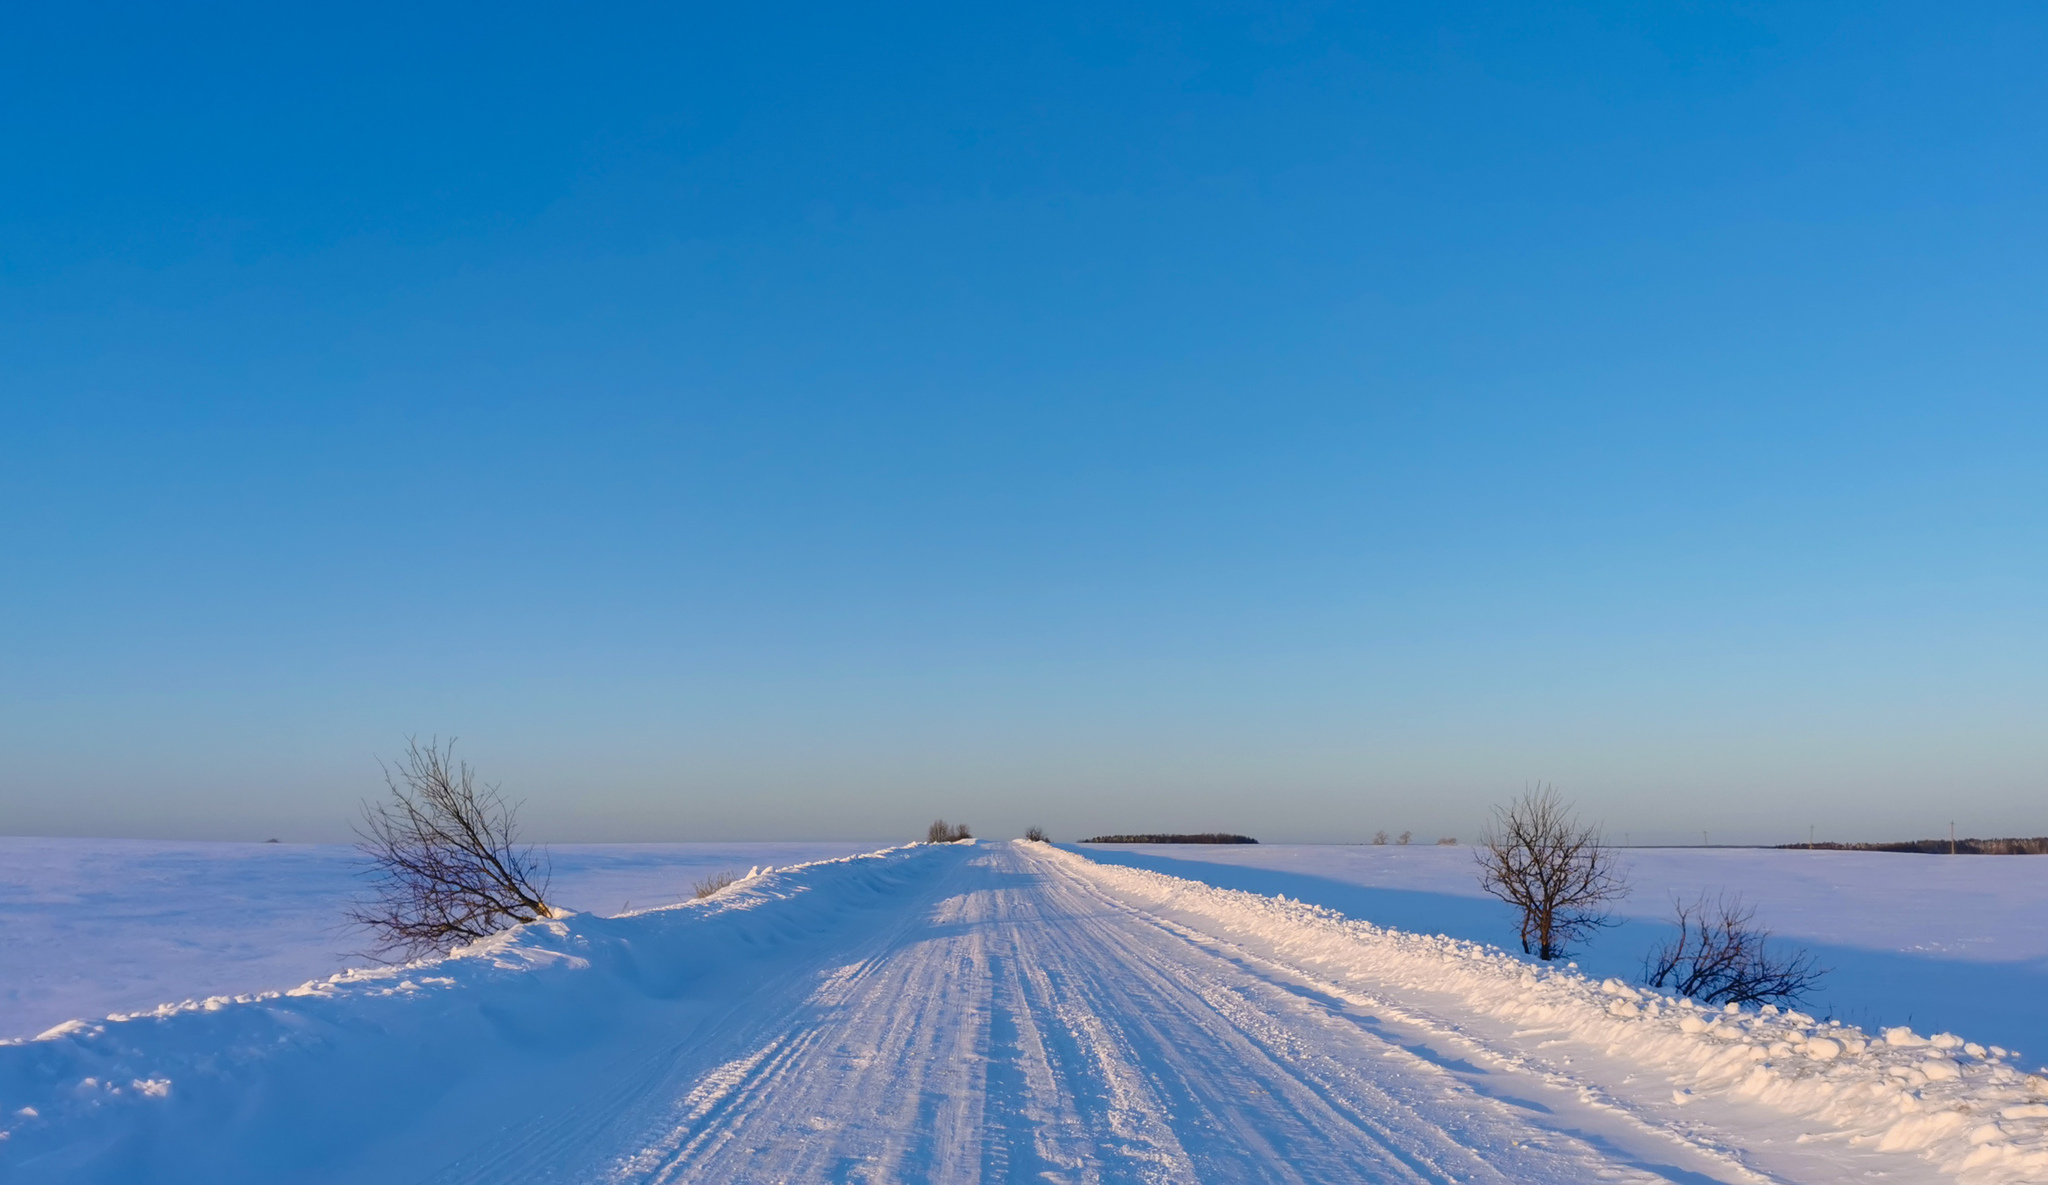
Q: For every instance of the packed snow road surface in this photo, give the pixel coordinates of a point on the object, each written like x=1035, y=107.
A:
x=1006, y=1012
x=1019, y=1025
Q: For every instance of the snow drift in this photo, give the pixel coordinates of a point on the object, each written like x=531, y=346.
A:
x=362, y=1067
x=1957, y=1104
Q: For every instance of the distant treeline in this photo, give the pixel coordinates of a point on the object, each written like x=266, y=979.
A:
x=1205, y=837
x=2037, y=846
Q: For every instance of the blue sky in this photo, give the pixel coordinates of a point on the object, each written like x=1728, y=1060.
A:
x=785, y=422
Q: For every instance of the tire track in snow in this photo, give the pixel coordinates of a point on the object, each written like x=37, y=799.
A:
x=873, y=1099
x=1215, y=1043
x=643, y=1117
x=1026, y=1027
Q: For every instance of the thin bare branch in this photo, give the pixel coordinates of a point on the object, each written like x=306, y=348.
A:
x=443, y=859
x=1721, y=956
x=1556, y=872
x=714, y=883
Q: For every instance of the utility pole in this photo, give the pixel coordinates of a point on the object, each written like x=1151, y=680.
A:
x=1809, y=837
x=1703, y=839
x=1951, y=837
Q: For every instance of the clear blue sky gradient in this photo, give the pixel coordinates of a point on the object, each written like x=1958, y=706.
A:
x=773, y=421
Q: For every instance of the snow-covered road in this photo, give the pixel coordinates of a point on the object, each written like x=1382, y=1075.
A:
x=1021, y=1025
x=1003, y=1012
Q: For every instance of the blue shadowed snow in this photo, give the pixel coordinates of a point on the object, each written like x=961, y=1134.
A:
x=1985, y=986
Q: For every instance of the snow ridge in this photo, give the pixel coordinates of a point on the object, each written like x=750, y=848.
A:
x=1958, y=1105
x=258, y=1086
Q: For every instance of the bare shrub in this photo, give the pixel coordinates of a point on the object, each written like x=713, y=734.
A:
x=713, y=883
x=443, y=859
x=1036, y=835
x=1720, y=957
x=1448, y=841
x=1537, y=858
x=1379, y=837
x=1405, y=837
x=943, y=832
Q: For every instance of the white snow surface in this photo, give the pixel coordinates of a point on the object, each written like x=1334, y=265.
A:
x=997, y=1012
x=1957, y=943
x=96, y=926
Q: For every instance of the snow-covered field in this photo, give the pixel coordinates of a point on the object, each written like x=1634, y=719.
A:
x=1936, y=942
x=94, y=926
x=1007, y=1012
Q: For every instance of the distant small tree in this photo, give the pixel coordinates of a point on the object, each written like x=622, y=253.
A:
x=443, y=859
x=1379, y=837
x=1035, y=835
x=943, y=832
x=1556, y=872
x=1720, y=956
x=1405, y=837
x=1448, y=841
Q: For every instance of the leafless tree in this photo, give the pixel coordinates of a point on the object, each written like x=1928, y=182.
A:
x=1720, y=957
x=443, y=859
x=943, y=832
x=1035, y=834
x=1536, y=857
x=1379, y=837
x=1405, y=837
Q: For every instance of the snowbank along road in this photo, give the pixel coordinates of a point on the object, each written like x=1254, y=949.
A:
x=1006, y=1012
